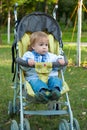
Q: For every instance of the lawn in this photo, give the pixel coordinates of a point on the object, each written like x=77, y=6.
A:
x=76, y=78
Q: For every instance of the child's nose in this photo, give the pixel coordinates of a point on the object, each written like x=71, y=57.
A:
x=44, y=46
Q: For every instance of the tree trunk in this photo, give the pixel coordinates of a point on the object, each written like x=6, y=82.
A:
x=45, y=6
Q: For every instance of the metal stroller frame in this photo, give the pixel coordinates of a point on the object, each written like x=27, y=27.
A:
x=72, y=124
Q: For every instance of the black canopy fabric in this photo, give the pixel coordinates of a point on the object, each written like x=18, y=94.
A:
x=38, y=21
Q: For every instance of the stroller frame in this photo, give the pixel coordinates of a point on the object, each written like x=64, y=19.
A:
x=46, y=112
x=72, y=124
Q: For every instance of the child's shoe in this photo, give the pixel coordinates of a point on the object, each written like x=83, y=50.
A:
x=55, y=94
x=42, y=95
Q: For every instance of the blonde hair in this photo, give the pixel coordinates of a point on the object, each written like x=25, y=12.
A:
x=35, y=36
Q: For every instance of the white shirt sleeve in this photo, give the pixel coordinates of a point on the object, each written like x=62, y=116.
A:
x=54, y=57
x=28, y=55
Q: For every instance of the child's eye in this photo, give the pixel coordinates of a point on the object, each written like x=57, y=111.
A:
x=46, y=44
x=41, y=44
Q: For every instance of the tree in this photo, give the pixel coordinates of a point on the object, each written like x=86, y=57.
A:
x=67, y=7
x=25, y=7
x=29, y=6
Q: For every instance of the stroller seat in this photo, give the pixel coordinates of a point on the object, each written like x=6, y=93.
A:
x=33, y=22
x=43, y=72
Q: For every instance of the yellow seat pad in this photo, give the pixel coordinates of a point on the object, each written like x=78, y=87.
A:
x=43, y=70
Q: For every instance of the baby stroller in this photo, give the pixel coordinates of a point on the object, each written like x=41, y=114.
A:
x=23, y=93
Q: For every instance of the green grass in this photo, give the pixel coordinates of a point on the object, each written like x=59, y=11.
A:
x=72, y=37
x=75, y=77
x=71, y=53
x=5, y=38
x=5, y=81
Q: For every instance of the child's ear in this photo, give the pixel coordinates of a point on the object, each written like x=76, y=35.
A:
x=32, y=47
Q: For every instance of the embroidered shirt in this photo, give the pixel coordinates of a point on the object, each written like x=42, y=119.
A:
x=48, y=57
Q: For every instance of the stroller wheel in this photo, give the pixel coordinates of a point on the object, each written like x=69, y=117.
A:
x=14, y=125
x=63, y=125
x=10, y=108
x=26, y=124
x=76, y=124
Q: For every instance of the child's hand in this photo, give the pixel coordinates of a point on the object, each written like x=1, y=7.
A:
x=31, y=62
x=61, y=61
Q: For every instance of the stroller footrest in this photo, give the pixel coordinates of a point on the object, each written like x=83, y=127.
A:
x=46, y=112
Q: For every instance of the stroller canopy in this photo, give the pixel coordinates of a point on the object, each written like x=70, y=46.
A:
x=38, y=21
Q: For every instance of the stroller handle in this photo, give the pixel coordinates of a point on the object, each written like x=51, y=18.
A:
x=22, y=62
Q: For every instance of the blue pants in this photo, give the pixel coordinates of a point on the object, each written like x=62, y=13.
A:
x=53, y=82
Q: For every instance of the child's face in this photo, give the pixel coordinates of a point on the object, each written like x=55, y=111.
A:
x=41, y=45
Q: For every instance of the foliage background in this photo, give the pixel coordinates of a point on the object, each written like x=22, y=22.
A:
x=75, y=76
x=65, y=9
